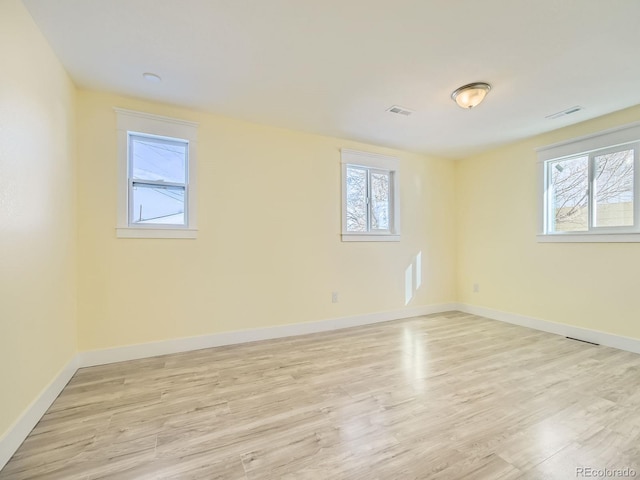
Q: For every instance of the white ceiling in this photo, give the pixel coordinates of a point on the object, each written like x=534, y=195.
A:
x=334, y=66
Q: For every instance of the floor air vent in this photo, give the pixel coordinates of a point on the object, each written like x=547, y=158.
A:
x=583, y=341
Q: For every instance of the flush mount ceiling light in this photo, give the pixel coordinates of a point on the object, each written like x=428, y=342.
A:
x=152, y=77
x=469, y=96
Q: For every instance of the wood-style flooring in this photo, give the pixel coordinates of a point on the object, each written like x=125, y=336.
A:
x=448, y=396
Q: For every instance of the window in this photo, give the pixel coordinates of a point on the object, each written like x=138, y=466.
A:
x=156, y=176
x=157, y=180
x=590, y=188
x=370, y=205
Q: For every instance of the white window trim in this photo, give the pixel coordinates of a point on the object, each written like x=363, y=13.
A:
x=371, y=160
x=154, y=125
x=611, y=138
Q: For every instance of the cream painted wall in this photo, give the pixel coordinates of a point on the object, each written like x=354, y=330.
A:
x=590, y=285
x=268, y=250
x=37, y=214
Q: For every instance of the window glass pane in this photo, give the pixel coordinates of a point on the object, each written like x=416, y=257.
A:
x=158, y=159
x=157, y=204
x=568, y=195
x=380, y=200
x=356, y=199
x=613, y=189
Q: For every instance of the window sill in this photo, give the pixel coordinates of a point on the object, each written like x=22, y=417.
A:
x=350, y=237
x=132, y=232
x=589, y=238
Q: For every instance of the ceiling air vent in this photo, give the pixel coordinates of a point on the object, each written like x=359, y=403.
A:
x=400, y=110
x=563, y=113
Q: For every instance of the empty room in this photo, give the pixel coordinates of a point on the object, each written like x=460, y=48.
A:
x=256, y=240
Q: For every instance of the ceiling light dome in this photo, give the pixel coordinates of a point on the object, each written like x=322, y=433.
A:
x=469, y=96
x=152, y=77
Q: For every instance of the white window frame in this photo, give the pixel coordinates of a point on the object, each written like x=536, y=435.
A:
x=589, y=146
x=372, y=162
x=147, y=125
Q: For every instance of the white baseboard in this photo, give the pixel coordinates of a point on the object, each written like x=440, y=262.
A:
x=15, y=435
x=608, y=339
x=144, y=350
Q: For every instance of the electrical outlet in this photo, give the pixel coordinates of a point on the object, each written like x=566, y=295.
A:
x=334, y=297
x=476, y=288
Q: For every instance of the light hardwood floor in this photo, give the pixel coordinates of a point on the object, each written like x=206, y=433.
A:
x=441, y=397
